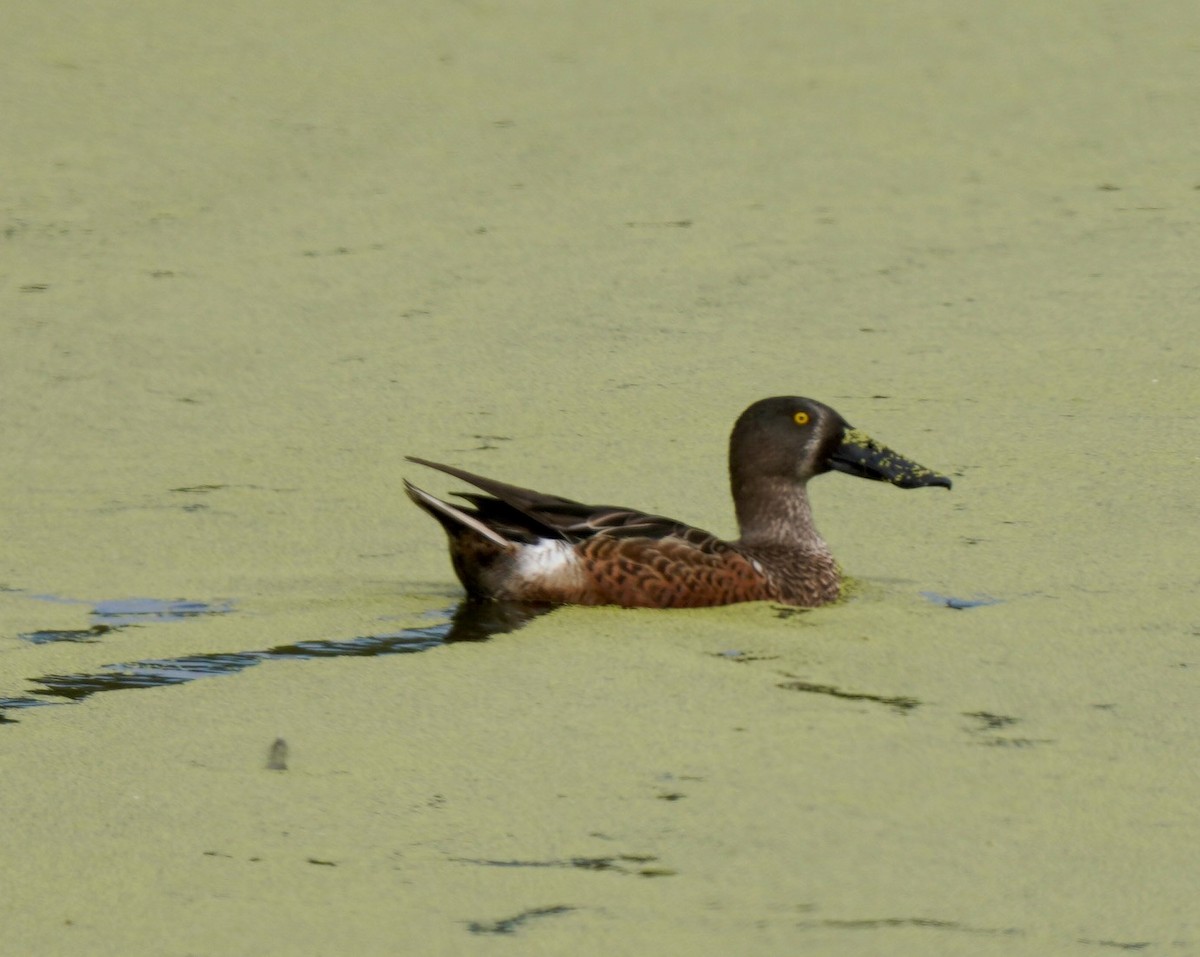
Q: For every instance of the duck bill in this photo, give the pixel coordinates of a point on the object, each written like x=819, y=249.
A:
x=859, y=454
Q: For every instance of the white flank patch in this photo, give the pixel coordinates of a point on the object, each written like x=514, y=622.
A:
x=551, y=561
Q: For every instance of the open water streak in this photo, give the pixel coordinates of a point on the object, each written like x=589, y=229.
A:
x=468, y=621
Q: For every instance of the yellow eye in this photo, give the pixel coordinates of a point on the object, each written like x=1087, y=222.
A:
x=801, y=418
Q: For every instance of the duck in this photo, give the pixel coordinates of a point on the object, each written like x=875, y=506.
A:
x=514, y=544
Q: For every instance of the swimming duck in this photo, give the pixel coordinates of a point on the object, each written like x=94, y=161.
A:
x=516, y=544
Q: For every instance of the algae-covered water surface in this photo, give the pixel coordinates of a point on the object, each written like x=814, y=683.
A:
x=255, y=256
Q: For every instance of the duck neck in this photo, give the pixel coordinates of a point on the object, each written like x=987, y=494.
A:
x=775, y=512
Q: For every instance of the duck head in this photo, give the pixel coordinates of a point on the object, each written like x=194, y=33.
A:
x=794, y=439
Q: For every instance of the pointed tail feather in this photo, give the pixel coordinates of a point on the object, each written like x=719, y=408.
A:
x=514, y=495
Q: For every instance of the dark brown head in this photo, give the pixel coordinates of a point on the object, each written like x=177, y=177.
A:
x=792, y=438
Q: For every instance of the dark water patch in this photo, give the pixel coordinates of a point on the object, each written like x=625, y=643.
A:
x=277, y=756
x=366, y=646
x=960, y=604
x=509, y=925
x=741, y=656
x=87, y=635
x=470, y=621
x=480, y=620
x=159, y=672
x=901, y=704
x=617, y=863
x=927, y=923
x=670, y=223
x=111, y=614
x=151, y=673
x=18, y=704
x=788, y=611
x=989, y=721
x=139, y=611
